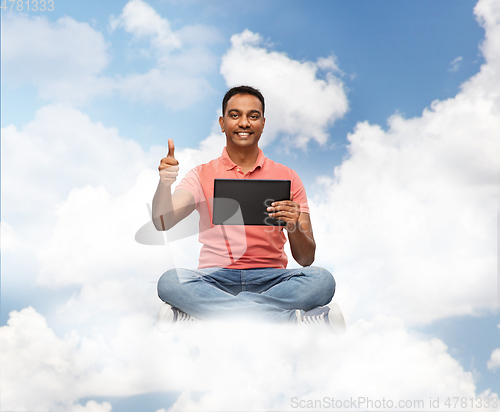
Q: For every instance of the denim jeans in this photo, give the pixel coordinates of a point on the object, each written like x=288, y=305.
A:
x=265, y=294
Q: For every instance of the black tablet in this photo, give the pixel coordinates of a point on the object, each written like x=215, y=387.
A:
x=245, y=201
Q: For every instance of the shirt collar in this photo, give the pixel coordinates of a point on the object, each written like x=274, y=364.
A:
x=229, y=164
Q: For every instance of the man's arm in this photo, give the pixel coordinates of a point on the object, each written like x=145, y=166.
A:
x=168, y=208
x=299, y=229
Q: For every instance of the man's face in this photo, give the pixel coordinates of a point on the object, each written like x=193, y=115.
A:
x=242, y=122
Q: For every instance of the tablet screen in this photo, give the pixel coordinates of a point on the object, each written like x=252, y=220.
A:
x=245, y=201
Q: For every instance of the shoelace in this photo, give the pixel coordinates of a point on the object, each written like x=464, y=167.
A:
x=310, y=319
x=183, y=317
x=314, y=320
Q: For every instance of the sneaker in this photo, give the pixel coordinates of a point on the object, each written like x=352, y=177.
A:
x=329, y=316
x=171, y=318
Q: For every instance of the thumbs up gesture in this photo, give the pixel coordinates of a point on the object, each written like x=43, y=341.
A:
x=169, y=166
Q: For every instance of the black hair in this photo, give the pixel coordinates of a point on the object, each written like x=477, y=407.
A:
x=242, y=90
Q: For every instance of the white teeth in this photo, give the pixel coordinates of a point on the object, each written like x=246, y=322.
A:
x=243, y=134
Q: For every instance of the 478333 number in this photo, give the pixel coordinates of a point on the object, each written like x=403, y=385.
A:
x=27, y=5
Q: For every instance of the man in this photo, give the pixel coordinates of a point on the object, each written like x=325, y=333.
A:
x=242, y=269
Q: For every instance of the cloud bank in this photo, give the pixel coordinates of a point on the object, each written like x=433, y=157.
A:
x=278, y=365
x=408, y=220
x=406, y=224
x=63, y=60
x=67, y=61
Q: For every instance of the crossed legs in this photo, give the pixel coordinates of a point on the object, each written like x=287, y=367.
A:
x=266, y=294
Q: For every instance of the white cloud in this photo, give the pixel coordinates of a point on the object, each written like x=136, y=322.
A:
x=61, y=149
x=93, y=233
x=140, y=19
x=9, y=239
x=494, y=362
x=487, y=13
x=92, y=406
x=455, y=64
x=63, y=59
x=39, y=362
x=328, y=63
x=77, y=186
x=183, y=58
x=408, y=221
x=300, y=105
x=130, y=357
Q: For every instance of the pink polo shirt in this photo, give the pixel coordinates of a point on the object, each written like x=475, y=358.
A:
x=234, y=246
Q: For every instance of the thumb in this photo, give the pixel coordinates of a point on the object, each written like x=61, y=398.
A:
x=291, y=196
x=171, y=148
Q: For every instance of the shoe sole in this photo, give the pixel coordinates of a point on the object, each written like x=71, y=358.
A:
x=339, y=322
x=161, y=323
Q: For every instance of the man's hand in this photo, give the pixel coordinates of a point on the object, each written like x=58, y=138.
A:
x=286, y=210
x=168, y=208
x=299, y=229
x=169, y=166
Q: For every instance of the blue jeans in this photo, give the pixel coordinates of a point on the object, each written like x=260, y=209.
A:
x=266, y=294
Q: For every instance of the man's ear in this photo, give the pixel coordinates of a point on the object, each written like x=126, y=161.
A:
x=263, y=121
x=221, y=123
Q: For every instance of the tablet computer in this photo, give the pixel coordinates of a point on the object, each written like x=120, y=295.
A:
x=245, y=201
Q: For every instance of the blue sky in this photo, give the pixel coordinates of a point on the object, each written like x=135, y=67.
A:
x=388, y=112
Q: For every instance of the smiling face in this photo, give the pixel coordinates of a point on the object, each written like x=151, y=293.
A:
x=242, y=122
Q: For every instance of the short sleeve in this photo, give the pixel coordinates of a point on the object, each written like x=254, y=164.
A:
x=191, y=182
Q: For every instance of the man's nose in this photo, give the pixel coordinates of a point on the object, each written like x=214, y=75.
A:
x=243, y=121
